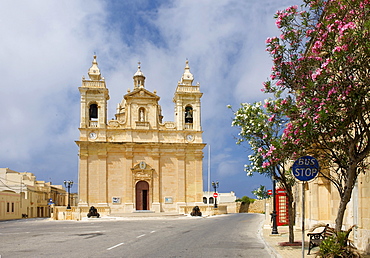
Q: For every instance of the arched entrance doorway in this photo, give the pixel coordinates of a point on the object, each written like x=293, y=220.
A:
x=142, y=195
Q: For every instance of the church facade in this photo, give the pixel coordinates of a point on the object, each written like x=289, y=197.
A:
x=137, y=162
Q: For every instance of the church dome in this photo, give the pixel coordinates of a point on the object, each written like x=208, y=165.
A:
x=187, y=78
x=94, y=71
x=139, y=77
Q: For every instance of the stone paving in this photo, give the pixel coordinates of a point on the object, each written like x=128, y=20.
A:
x=283, y=236
x=288, y=251
x=272, y=241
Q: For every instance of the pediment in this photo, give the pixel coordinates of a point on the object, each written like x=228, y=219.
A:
x=141, y=93
x=8, y=191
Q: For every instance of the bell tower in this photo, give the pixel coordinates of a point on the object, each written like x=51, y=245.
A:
x=187, y=102
x=136, y=161
x=94, y=96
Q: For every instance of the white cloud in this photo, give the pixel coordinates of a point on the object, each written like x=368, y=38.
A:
x=47, y=46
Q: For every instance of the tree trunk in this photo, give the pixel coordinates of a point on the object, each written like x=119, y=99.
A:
x=288, y=188
x=346, y=196
x=290, y=214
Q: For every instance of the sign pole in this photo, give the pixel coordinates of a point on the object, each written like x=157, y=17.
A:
x=303, y=216
x=305, y=169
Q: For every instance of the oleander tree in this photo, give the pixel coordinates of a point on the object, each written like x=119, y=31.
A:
x=261, y=126
x=321, y=81
x=261, y=193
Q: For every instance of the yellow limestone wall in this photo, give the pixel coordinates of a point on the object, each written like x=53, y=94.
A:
x=322, y=202
x=138, y=146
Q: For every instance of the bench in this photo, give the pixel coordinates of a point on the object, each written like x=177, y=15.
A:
x=318, y=237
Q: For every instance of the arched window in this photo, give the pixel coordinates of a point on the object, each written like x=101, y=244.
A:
x=141, y=114
x=210, y=200
x=93, y=112
x=188, y=115
x=205, y=200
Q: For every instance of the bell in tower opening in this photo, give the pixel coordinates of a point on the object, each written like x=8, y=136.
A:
x=137, y=161
x=188, y=115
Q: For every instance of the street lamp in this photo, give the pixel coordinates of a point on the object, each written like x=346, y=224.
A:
x=215, y=186
x=274, y=215
x=68, y=184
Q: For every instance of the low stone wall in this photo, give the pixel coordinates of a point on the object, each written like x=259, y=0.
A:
x=232, y=207
x=243, y=207
x=259, y=206
x=75, y=213
x=205, y=210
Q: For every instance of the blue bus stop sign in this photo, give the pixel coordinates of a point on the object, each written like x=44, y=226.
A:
x=306, y=168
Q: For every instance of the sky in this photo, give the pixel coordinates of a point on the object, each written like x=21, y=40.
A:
x=47, y=46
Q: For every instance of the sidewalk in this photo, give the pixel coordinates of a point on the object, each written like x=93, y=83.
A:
x=283, y=236
x=288, y=251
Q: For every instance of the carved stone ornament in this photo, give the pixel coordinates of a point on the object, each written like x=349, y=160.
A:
x=142, y=171
x=142, y=165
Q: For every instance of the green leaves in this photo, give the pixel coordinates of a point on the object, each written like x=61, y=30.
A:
x=261, y=193
x=261, y=126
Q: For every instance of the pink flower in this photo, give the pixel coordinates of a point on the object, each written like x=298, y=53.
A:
x=316, y=73
x=332, y=91
x=317, y=46
x=271, y=118
x=278, y=23
x=337, y=49
x=325, y=64
x=265, y=164
x=314, y=76
x=269, y=40
x=350, y=25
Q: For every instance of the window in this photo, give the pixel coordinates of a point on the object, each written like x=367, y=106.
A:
x=205, y=200
x=188, y=115
x=93, y=112
x=7, y=207
x=210, y=200
x=12, y=206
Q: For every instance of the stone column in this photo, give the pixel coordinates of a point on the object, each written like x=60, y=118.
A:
x=156, y=183
x=129, y=188
x=102, y=178
x=181, y=178
x=198, y=176
x=83, y=178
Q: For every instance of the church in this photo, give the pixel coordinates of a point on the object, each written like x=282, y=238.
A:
x=136, y=162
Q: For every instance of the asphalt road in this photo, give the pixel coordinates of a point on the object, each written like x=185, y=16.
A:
x=232, y=235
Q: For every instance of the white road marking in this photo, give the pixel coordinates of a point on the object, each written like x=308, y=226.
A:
x=152, y=232
x=110, y=248
x=140, y=236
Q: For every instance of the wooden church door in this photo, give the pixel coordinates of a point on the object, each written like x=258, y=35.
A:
x=142, y=195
